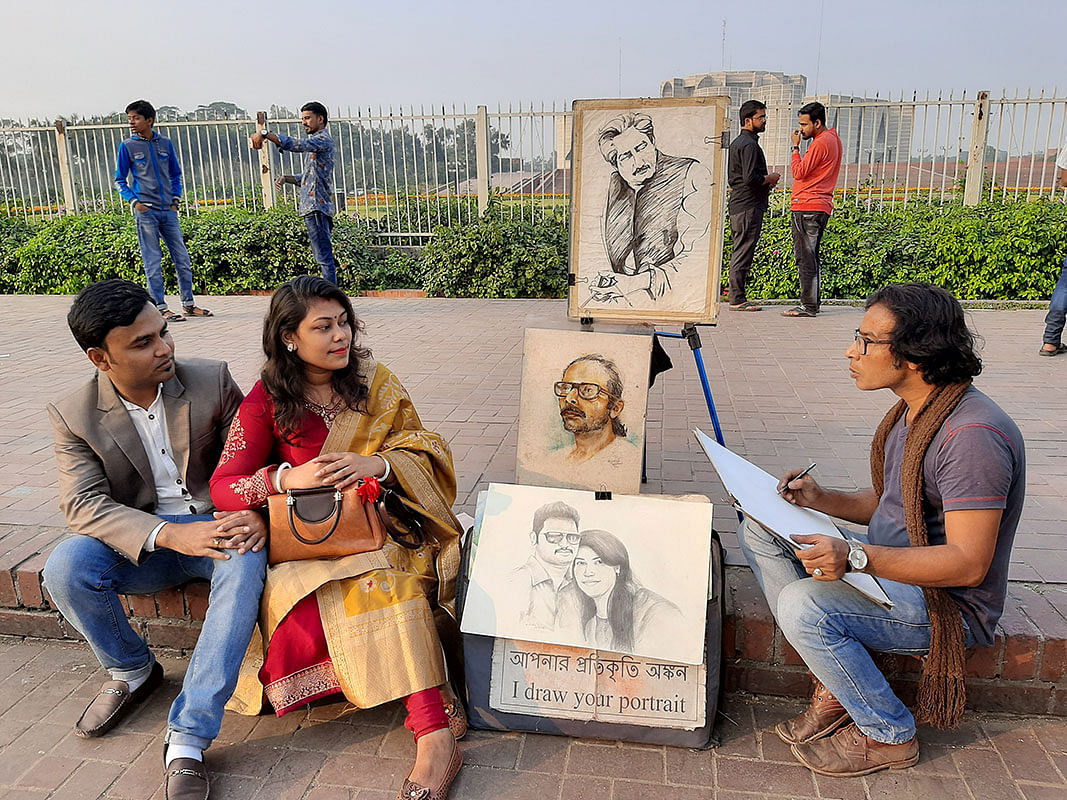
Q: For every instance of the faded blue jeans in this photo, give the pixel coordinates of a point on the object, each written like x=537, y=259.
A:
x=320, y=228
x=151, y=225
x=1057, y=310
x=85, y=578
x=831, y=625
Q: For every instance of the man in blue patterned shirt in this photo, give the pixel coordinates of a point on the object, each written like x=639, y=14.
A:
x=316, y=183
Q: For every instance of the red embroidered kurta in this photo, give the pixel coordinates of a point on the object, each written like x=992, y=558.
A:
x=298, y=666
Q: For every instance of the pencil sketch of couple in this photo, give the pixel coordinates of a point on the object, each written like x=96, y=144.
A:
x=578, y=585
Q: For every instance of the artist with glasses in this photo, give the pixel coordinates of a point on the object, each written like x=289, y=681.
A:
x=948, y=479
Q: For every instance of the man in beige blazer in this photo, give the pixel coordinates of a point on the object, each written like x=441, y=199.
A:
x=136, y=446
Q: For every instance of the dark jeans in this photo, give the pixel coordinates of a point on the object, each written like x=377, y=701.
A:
x=808, y=227
x=1057, y=309
x=320, y=226
x=745, y=227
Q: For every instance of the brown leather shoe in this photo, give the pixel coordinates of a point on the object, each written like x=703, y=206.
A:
x=187, y=780
x=114, y=702
x=822, y=717
x=413, y=791
x=850, y=753
x=457, y=719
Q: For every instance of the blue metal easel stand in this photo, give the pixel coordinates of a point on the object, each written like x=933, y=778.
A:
x=692, y=337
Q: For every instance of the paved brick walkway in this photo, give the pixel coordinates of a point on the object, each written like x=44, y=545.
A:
x=784, y=398
x=781, y=387
x=328, y=754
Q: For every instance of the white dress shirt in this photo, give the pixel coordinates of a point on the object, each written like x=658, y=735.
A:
x=171, y=492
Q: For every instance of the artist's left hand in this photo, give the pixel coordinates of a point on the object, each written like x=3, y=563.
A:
x=342, y=470
x=796, y=138
x=826, y=553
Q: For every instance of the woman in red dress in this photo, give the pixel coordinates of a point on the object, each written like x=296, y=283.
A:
x=324, y=413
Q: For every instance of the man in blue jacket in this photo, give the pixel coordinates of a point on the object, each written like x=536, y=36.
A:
x=155, y=195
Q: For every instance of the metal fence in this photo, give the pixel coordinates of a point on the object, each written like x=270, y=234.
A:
x=409, y=170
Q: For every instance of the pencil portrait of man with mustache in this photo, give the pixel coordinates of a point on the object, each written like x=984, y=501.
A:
x=658, y=209
x=590, y=402
x=545, y=582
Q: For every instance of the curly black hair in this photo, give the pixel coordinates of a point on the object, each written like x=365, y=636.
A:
x=930, y=331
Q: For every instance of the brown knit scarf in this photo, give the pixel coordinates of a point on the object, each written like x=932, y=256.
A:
x=942, y=693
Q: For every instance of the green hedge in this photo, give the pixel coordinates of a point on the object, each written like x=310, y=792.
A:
x=1009, y=251
x=232, y=250
x=498, y=255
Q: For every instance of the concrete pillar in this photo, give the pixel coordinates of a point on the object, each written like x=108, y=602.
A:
x=481, y=147
x=266, y=182
x=70, y=202
x=972, y=192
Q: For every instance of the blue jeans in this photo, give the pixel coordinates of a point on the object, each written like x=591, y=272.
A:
x=151, y=226
x=320, y=226
x=1057, y=309
x=831, y=625
x=85, y=578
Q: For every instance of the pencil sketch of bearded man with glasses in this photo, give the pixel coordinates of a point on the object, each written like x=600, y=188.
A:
x=590, y=401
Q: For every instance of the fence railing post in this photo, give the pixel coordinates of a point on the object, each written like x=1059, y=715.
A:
x=266, y=182
x=972, y=192
x=481, y=148
x=564, y=132
x=63, y=150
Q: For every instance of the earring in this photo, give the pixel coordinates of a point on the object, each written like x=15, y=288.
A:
x=290, y=347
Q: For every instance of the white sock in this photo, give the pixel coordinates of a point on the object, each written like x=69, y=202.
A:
x=184, y=751
x=139, y=682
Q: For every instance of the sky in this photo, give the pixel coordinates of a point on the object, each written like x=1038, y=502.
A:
x=72, y=56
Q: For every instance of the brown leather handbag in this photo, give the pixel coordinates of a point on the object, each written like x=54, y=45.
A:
x=325, y=523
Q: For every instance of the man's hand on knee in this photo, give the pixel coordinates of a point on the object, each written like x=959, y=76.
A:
x=826, y=558
x=245, y=530
x=195, y=539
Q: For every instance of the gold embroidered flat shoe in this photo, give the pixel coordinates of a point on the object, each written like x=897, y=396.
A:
x=413, y=791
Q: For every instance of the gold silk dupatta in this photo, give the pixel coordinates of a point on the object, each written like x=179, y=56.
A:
x=383, y=636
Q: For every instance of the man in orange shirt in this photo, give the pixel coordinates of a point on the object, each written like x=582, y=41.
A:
x=814, y=179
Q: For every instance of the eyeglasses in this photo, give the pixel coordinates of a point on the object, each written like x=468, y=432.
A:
x=586, y=391
x=555, y=537
x=863, y=342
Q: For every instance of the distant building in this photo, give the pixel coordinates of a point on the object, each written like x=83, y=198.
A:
x=872, y=131
x=781, y=92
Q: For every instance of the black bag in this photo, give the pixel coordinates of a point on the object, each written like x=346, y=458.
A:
x=478, y=656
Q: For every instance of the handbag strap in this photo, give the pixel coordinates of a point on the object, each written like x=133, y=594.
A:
x=291, y=506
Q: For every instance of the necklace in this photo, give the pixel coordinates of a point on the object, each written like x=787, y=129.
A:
x=327, y=412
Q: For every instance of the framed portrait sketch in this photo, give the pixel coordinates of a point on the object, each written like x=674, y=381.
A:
x=627, y=575
x=647, y=208
x=582, y=410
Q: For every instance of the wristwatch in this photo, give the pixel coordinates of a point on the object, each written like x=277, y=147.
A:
x=264, y=132
x=857, y=556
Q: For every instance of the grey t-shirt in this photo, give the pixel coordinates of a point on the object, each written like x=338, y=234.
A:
x=976, y=461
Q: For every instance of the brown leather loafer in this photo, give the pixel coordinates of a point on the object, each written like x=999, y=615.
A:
x=413, y=791
x=457, y=719
x=850, y=753
x=115, y=701
x=822, y=717
x=187, y=780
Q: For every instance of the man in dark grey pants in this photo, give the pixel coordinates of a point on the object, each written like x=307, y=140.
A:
x=750, y=186
x=814, y=179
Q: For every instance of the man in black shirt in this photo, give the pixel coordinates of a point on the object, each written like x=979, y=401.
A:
x=749, y=187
